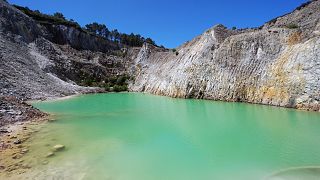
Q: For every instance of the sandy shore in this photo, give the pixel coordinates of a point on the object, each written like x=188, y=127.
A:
x=14, y=137
x=13, y=145
x=54, y=98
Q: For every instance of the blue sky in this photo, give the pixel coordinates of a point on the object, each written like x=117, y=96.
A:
x=168, y=22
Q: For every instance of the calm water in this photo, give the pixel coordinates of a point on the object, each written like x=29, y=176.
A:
x=144, y=137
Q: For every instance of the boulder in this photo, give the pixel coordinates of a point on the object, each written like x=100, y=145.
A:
x=58, y=147
x=50, y=154
x=24, y=151
x=18, y=141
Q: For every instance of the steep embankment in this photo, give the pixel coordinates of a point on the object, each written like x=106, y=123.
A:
x=276, y=64
x=41, y=60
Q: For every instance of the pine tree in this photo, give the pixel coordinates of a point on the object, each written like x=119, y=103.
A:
x=59, y=15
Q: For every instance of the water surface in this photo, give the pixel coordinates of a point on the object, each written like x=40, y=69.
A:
x=131, y=136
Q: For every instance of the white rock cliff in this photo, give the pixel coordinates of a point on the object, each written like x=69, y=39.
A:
x=276, y=64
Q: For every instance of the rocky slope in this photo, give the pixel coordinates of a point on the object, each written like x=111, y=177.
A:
x=14, y=110
x=41, y=61
x=276, y=64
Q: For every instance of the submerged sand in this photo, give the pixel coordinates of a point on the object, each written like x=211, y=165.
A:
x=13, y=146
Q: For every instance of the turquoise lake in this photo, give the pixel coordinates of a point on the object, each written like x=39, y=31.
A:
x=132, y=136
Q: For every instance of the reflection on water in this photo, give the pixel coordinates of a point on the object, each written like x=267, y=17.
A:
x=140, y=137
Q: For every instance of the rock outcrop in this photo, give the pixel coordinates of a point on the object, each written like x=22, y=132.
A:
x=46, y=60
x=77, y=39
x=14, y=110
x=276, y=64
x=43, y=60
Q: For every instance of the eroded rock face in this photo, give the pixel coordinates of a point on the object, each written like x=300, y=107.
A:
x=25, y=73
x=47, y=61
x=276, y=64
x=43, y=62
x=77, y=39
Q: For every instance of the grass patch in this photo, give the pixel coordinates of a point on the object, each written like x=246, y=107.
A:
x=292, y=26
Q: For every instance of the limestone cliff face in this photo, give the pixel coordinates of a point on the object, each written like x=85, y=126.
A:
x=13, y=21
x=77, y=39
x=276, y=64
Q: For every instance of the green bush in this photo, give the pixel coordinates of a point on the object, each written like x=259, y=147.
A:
x=112, y=80
x=113, y=83
x=117, y=83
x=122, y=80
x=57, y=19
x=118, y=88
x=107, y=87
x=292, y=26
x=88, y=82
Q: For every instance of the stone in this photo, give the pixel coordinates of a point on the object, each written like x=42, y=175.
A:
x=18, y=141
x=45, y=162
x=4, y=131
x=24, y=151
x=50, y=154
x=16, y=156
x=52, y=120
x=26, y=166
x=58, y=147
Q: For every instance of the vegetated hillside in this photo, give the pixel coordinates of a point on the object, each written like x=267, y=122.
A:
x=276, y=64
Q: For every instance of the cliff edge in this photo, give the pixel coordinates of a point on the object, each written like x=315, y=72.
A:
x=275, y=64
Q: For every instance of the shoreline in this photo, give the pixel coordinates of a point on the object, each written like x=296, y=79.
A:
x=15, y=135
x=13, y=145
x=55, y=98
x=301, y=109
x=298, y=108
